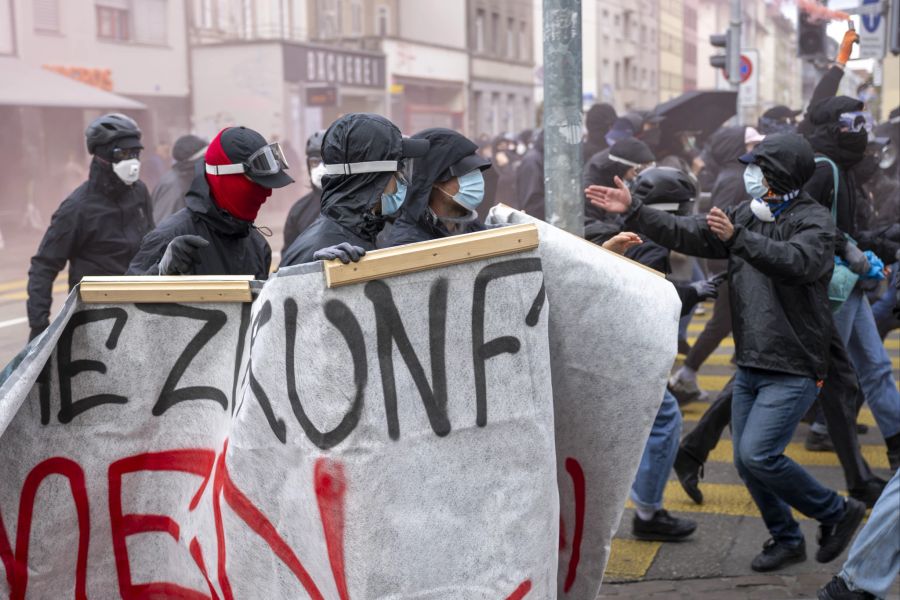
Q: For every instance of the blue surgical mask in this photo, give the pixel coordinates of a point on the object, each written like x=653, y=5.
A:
x=471, y=189
x=391, y=203
x=754, y=182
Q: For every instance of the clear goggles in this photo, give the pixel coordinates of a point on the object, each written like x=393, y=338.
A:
x=268, y=160
x=401, y=168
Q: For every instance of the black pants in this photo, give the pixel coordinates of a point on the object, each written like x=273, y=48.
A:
x=717, y=329
x=838, y=399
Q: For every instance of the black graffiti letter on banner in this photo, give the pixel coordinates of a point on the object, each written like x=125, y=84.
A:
x=214, y=321
x=481, y=350
x=344, y=320
x=390, y=329
x=68, y=368
x=276, y=423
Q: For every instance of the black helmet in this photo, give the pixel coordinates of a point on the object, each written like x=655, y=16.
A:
x=314, y=144
x=665, y=187
x=110, y=128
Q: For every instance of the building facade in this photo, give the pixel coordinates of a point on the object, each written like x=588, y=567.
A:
x=671, y=49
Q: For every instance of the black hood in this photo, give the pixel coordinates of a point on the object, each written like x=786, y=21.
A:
x=727, y=145
x=200, y=202
x=846, y=148
x=348, y=199
x=787, y=161
x=447, y=148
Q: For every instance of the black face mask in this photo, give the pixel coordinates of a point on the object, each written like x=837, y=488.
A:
x=851, y=147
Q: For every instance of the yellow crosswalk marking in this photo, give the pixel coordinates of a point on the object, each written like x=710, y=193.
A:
x=13, y=285
x=60, y=287
x=630, y=559
x=875, y=455
x=724, y=360
x=718, y=499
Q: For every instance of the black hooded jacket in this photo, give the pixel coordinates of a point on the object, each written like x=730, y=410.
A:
x=97, y=230
x=235, y=246
x=347, y=200
x=778, y=272
x=530, y=181
x=725, y=147
x=602, y=170
x=827, y=140
x=416, y=222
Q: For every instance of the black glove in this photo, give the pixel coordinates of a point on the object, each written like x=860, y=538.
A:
x=36, y=331
x=857, y=260
x=343, y=251
x=181, y=255
x=706, y=289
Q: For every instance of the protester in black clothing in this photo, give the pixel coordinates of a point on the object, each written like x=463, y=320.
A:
x=215, y=233
x=307, y=209
x=778, y=119
x=99, y=227
x=362, y=188
x=598, y=121
x=168, y=197
x=530, y=180
x=446, y=190
x=506, y=162
x=625, y=159
x=780, y=257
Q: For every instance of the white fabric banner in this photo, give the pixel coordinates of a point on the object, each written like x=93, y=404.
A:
x=401, y=438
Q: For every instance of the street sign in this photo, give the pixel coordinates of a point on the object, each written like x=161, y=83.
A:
x=872, y=33
x=748, y=91
x=746, y=68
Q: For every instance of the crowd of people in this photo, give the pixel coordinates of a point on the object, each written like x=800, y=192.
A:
x=791, y=226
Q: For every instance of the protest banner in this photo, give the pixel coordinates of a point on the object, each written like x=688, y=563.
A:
x=445, y=433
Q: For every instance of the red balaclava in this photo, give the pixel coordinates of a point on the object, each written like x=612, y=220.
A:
x=236, y=194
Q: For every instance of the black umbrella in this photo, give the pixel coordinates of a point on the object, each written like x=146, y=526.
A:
x=698, y=111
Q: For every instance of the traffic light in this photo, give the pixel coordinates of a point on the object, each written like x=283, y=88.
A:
x=721, y=61
x=810, y=37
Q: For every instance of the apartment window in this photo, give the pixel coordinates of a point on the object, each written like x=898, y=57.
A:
x=510, y=112
x=511, y=50
x=524, y=53
x=381, y=21
x=46, y=15
x=495, y=33
x=618, y=75
x=356, y=17
x=479, y=30
x=113, y=20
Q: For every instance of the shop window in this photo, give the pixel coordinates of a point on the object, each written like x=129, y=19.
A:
x=524, y=52
x=479, y=30
x=382, y=19
x=46, y=15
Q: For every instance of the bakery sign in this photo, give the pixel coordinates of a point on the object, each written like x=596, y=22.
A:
x=336, y=66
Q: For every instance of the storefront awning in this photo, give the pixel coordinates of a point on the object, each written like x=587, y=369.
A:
x=30, y=86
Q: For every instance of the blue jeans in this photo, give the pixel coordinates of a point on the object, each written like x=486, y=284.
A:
x=874, y=558
x=659, y=456
x=856, y=326
x=765, y=409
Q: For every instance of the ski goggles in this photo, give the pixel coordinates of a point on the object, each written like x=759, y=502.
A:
x=853, y=121
x=638, y=167
x=402, y=168
x=268, y=160
x=120, y=154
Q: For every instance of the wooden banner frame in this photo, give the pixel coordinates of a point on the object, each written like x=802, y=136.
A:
x=432, y=254
x=165, y=288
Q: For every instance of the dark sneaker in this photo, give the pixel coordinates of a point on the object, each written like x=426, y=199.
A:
x=778, y=556
x=869, y=493
x=818, y=442
x=686, y=391
x=689, y=472
x=837, y=589
x=834, y=538
x=663, y=527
